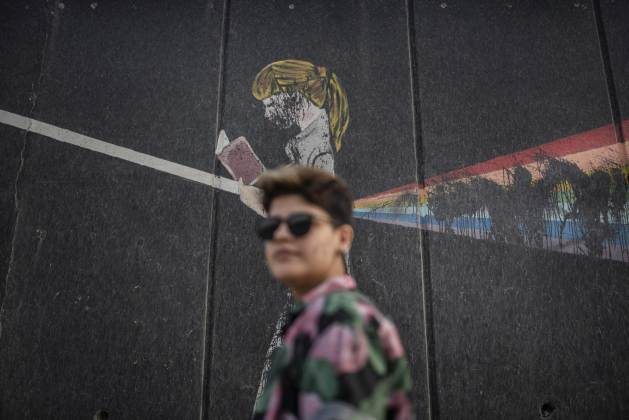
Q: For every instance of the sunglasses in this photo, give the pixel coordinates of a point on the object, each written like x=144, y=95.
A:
x=298, y=224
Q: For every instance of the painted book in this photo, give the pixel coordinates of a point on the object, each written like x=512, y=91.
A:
x=238, y=158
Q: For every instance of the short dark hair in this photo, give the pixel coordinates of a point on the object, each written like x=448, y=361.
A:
x=316, y=186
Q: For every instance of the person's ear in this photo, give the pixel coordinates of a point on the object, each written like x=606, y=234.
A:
x=346, y=236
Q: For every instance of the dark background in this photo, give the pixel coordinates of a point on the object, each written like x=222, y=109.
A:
x=132, y=291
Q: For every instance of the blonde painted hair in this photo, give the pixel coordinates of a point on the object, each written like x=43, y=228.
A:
x=319, y=86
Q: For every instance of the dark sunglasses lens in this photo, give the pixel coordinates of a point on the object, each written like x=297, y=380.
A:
x=267, y=227
x=299, y=224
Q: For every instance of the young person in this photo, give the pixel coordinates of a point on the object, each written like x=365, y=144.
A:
x=340, y=358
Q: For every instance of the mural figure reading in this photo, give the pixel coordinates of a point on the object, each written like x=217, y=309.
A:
x=295, y=93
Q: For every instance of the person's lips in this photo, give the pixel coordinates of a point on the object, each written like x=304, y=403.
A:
x=284, y=253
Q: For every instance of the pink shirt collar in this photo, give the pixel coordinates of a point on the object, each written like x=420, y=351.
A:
x=332, y=284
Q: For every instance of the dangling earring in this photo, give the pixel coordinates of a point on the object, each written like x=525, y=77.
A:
x=346, y=262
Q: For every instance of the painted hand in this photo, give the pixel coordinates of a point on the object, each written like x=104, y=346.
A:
x=252, y=197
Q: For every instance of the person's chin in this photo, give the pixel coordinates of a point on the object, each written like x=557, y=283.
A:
x=288, y=274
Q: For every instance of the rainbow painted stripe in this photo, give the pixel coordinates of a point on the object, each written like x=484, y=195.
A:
x=597, y=149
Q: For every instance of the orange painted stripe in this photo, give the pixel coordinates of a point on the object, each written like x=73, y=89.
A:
x=572, y=145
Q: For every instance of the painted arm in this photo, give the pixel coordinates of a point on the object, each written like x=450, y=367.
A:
x=324, y=161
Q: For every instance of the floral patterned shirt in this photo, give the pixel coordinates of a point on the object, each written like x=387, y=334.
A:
x=340, y=358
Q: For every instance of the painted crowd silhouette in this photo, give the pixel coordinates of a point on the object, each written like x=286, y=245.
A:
x=567, y=209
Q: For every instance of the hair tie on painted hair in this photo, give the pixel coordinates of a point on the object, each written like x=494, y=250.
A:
x=323, y=72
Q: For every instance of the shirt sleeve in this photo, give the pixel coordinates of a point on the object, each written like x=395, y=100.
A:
x=356, y=369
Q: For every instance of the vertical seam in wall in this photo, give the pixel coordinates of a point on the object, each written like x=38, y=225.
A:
x=431, y=389
x=16, y=206
x=209, y=317
x=607, y=70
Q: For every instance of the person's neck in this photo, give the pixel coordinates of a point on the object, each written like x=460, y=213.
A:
x=337, y=270
x=311, y=113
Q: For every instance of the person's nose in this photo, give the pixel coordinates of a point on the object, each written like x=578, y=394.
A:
x=282, y=233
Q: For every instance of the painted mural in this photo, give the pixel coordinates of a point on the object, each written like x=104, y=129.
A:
x=568, y=195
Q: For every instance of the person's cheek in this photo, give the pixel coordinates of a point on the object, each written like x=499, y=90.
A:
x=267, y=253
x=318, y=254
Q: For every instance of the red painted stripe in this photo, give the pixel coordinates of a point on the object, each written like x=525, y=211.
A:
x=581, y=142
x=588, y=140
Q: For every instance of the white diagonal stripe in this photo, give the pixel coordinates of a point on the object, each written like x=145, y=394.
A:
x=90, y=143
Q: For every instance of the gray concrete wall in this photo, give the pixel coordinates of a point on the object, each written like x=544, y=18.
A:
x=485, y=149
